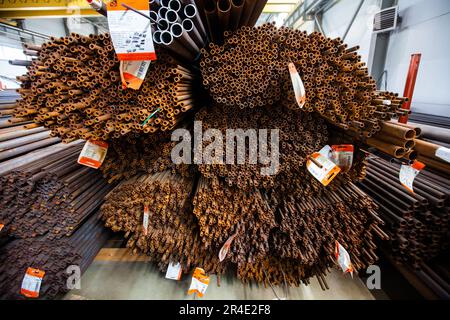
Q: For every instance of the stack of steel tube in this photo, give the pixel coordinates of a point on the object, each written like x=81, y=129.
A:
x=429, y=155
x=171, y=234
x=296, y=233
x=251, y=70
x=74, y=88
x=130, y=155
x=54, y=257
x=19, y=135
x=178, y=28
x=228, y=15
x=300, y=135
x=396, y=140
x=418, y=222
x=52, y=195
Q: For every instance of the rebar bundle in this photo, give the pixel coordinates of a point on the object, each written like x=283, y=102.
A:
x=51, y=196
x=223, y=211
x=418, y=222
x=51, y=256
x=74, y=88
x=251, y=70
x=19, y=136
x=300, y=135
x=130, y=155
x=171, y=234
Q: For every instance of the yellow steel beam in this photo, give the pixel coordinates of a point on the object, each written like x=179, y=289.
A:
x=58, y=13
x=278, y=8
x=13, y=5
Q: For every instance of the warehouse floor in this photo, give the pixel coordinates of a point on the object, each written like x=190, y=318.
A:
x=125, y=279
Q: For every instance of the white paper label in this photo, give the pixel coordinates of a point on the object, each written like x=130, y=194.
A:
x=226, y=247
x=443, y=153
x=342, y=156
x=343, y=259
x=297, y=84
x=31, y=283
x=409, y=173
x=173, y=271
x=131, y=32
x=93, y=154
x=198, y=286
x=145, y=220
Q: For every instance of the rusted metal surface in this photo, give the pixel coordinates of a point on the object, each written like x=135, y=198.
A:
x=51, y=256
x=51, y=196
x=251, y=70
x=416, y=223
x=74, y=88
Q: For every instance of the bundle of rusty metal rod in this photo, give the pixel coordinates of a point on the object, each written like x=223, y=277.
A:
x=178, y=28
x=169, y=233
x=52, y=256
x=223, y=212
x=19, y=136
x=302, y=243
x=228, y=15
x=418, y=222
x=251, y=70
x=130, y=155
x=52, y=195
x=74, y=88
x=300, y=134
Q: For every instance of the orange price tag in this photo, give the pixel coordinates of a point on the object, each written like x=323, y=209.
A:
x=322, y=168
x=199, y=283
x=93, y=153
x=342, y=156
x=31, y=283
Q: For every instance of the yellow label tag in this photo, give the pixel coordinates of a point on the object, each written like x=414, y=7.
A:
x=322, y=168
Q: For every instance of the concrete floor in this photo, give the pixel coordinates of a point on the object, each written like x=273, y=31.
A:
x=106, y=280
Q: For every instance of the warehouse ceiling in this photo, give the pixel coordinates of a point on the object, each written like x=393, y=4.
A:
x=13, y=9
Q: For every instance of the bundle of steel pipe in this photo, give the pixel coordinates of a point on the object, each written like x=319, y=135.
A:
x=52, y=195
x=395, y=139
x=74, y=88
x=19, y=136
x=224, y=211
x=130, y=155
x=429, y=154
x=300, y=135
x=178, y=28
x=54, y=257
x=303, y=242
x=228, y=15
x=171, y=233
x=288, y=230
x=418, y=222
x=251, y=70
